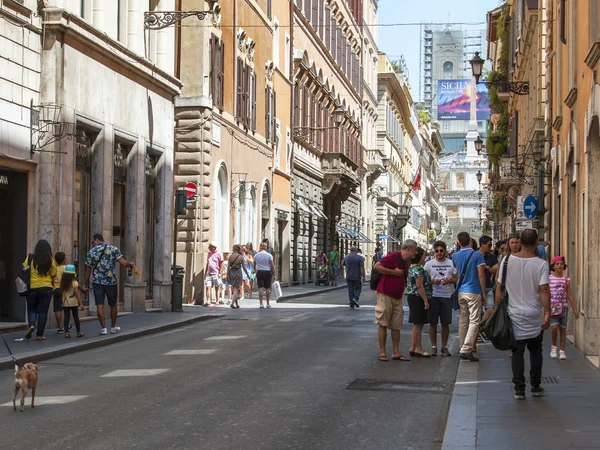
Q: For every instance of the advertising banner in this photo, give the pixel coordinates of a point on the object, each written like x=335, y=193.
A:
x=454, y=100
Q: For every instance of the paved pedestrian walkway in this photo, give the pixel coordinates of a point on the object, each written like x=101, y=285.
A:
x=307, y=290
x=484, y=415
x=132, y=326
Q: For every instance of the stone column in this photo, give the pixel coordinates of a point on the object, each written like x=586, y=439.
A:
x=135, y=26
x=163, y=231
x=165, y=44
x=193, y=136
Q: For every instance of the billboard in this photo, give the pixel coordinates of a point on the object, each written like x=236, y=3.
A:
x=454, y=100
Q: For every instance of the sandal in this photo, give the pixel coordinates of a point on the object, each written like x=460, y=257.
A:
x=400, y=358
x=67, y=335
x=29, y=332
x=383, y=358
x=40, y=338
x=420, y=355
x=80, y=334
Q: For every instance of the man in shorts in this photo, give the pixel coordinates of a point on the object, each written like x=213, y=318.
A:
x=214, y=261
x=100, y=263
x=443, y=277
x=265, y=273
x=334, y=262
x=389, y=312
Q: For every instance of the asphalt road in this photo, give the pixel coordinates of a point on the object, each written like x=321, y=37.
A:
x=302, y=375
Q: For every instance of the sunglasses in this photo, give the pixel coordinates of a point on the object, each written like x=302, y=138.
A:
x=440, y=250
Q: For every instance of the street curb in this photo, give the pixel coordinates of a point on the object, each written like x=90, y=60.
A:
x=285, y=298
x=62, y=350
x=461, y=426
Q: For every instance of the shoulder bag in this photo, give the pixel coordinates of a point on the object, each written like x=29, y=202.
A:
x=23, y=281
x=498, y=328
x=455, y=305
x=376, y=276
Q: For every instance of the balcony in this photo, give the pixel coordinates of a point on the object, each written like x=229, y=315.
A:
x=339, y=175
x=509, y=172
x=375, y=167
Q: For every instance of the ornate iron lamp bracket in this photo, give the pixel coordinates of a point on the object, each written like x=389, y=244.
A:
x=516, y=87
x=157, y=20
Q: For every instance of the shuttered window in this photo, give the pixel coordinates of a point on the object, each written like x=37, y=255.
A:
x=327, y=28
x=217, y=57
x=315, y=14
x=270, y=115
x=307, y=9
x=245, y=110
x=321, y=19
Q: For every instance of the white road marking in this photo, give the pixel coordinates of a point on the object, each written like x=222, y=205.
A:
x=51, y=400
x=207, y=351
x=295, y=318
x=133, y=341
x=135, y=373
x=224, y=338
x=481, y=382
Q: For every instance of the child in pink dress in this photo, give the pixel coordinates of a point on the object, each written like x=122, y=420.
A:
x=560, y=298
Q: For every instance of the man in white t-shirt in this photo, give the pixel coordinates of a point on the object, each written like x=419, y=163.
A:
x=443, y=276
x=528, y=287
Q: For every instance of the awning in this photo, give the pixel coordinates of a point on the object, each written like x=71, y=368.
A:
x=343, y=232
x=302, y=206
x=364, y=238
x=383, y=237
x=317, y=212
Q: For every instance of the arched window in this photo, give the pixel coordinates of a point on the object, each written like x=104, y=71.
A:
x=221, y=209
x=448, y=69
x=240, y=215
x=265, y=208
x=250, y=216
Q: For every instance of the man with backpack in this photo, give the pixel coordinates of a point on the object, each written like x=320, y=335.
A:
x=390, y=289
x=471, y=295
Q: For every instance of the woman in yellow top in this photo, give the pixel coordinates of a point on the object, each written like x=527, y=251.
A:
x=42, y=270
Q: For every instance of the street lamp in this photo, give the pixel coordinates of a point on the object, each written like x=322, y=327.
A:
x=338, y=115
x=516, y=87
x=338, y=118
x=386, y=163
x=480, y=195
x=479, y=175
x=478, y=144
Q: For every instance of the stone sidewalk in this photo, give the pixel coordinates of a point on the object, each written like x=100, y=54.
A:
x=483, y=414
x=307, y=290
x=132, y=326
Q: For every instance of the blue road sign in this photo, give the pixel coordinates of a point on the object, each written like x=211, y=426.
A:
x=530, y=206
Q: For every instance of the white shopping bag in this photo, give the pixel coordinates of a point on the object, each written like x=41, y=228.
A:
x=276, y=291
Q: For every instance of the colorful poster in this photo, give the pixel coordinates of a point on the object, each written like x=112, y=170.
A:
x=454, y=100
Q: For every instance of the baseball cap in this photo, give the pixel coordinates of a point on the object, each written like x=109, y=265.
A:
x=212, y=244
x=70, y=268
x=558, y=258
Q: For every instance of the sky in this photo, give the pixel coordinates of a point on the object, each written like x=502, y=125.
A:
x=405, y=40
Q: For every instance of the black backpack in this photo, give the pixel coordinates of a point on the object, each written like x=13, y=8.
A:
x=376, y=276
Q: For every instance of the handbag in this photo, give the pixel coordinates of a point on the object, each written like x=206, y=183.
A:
x=556, y=309
x=455, y=304
x=23, y=281
x=498, y=328
x=376, y=276
x=276, y=291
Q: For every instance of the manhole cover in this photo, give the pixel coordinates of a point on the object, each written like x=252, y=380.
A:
x=361, y=384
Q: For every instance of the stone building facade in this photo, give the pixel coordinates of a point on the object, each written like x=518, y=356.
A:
x=78, y=151
x=327, y=156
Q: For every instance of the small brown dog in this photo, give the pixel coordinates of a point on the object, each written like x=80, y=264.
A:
x=25, y=378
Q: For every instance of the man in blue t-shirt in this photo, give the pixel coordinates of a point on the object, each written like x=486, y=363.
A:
x=471, y=288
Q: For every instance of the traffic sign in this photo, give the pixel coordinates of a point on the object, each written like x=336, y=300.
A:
x=190, y=190
x=530, y=207
x=523, y=224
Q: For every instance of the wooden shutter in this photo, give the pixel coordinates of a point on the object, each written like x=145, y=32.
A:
x=297, y=104
x=339, y=46
x=327, y=28
x=321, y=19
x=213, y=64
x=274, y=114
x=245, y=118
x=311, y=122
x=305, y=107
x=307, y=9
x=252, y=101
x=221, y=87
x=239, y=90
x=315, y=14
x=268, y=114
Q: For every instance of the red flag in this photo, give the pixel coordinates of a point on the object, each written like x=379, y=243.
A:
x=416, y=186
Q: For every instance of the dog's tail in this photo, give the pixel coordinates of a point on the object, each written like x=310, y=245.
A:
x=17, y=379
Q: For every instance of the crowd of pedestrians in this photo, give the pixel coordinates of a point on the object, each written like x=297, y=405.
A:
x=538, y=296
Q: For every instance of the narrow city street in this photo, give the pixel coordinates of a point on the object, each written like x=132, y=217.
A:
x=301, y=375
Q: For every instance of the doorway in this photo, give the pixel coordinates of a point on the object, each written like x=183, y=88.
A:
x=13, y=242
x=118, y=213
x=81, y=229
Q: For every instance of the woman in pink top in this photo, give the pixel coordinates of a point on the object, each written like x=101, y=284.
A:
x=560, y=298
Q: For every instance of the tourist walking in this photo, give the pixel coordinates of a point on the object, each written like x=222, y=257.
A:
x=334, y=262
x=390, y=289
x=42, y=270
x=419, y=290
x=528, y=287
x=265, y=274
x=355, y=276
x=443, y=275
x=485, y=248
x=235, y=266
x=100, y=263
x=471, y=289
x=248, y=274
x=71, y=299
x=214, y=260
x=225, y=286
x=560, y=299
x=61, y=262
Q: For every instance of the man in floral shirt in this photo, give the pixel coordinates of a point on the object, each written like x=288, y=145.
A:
x=100, y=263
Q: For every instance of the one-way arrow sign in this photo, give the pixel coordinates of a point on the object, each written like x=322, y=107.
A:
x=530, y=206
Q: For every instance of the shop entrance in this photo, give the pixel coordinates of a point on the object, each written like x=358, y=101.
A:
x=119, y=212
x=13, y=242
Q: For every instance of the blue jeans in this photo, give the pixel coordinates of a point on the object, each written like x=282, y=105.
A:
x=38, y=303
x=354, y=288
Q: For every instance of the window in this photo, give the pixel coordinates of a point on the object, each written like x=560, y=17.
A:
x=270, y=114
x=286, y=58
x=270, y=9
x=562, y=20
x=315, y=14
x=217, y=61
x=307, y=9
x=448, y=69
x=327, y=30
x=276, y=43
x=246, y=95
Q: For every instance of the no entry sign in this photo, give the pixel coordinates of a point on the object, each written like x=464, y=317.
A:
x=190, y=190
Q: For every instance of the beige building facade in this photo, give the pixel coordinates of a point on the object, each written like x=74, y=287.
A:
x=76, y=147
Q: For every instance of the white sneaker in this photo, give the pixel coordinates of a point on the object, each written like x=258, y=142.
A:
x=103, y=332
x=553, y=352
x=115, y=330
x=563, y=355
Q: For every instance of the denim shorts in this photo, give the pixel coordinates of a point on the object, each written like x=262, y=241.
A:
x=561, y=321
x=335, y=270
x=100, y=290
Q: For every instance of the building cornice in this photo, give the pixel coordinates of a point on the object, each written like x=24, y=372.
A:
x=593, y=55
x=58, y=20
x=390, y=79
